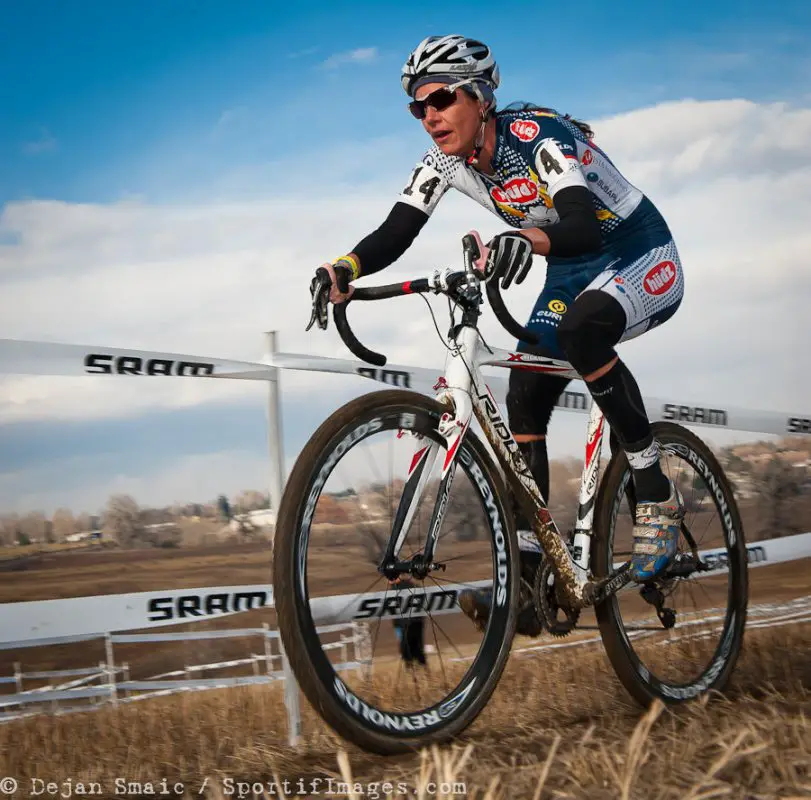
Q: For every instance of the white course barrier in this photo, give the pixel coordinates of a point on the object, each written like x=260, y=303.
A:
x=82, y=619
x=348, y=614
x=76, y=619
x=353, y=645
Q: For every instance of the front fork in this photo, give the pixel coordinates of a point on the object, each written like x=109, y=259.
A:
x=453, y=391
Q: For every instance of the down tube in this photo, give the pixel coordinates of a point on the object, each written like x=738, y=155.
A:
x=498, y=434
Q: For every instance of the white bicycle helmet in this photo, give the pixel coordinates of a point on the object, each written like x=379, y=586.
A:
x=450, y=57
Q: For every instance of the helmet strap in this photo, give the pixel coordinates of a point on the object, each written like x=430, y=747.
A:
x=473, y=158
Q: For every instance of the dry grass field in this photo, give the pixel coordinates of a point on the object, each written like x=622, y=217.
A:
x=558, y=726
x=574, y=729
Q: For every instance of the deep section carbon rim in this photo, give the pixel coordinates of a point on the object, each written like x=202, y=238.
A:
x=678, y=636
x=418, y=665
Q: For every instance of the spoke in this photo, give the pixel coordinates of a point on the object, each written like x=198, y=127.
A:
x=377, y=579
x=441, y=629
x=365, y=523
x=379, y=621
x=436, y=579
x=390, y=487
x=439, y=652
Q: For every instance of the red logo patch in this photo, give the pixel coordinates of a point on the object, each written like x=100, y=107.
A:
x=516, y=190
x=588, y=157
x=660, y=278
x=525, y=129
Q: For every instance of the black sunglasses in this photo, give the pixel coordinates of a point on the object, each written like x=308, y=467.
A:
x=439, y=99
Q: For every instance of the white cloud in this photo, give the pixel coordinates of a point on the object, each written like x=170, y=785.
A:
x=45, y=143
x=360, y=55
x=733, y=179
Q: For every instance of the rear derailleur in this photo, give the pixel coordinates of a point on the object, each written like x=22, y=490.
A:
x=652, y=594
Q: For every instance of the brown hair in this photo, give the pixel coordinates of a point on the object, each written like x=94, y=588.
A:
x=583, y=126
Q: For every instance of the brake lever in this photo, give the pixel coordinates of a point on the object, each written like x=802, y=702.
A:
x=320, y=287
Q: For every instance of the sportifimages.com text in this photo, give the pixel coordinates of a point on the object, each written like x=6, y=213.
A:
x=228, y=787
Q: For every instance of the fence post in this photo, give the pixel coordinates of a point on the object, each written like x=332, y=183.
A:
x=101, y=679
x=108, y=648
x=126, y=677
x=268, y=650
x=18, y=676
x=363, y=648
x=275, y=435
x=291, y=701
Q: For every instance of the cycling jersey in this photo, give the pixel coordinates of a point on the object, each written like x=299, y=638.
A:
x=537, y=153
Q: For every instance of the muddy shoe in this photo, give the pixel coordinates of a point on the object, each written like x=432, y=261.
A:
x=656, y=536
x=475, y=603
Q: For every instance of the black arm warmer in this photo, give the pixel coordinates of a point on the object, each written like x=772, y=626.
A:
x=385, y=245
x=578, y=230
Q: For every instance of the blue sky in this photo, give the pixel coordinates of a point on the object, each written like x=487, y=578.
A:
x=160, y=99
x=183, y=103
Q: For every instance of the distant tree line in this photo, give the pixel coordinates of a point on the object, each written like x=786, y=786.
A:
x=124, y=522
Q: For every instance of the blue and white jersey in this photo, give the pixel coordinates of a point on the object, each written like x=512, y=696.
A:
x=537, y=153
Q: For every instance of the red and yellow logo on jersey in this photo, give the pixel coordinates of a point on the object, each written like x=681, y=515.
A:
x=525, y=129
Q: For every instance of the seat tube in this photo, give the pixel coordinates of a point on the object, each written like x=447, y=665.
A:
x=588, y=488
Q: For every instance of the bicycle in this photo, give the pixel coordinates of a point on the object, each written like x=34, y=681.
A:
x=578, y=572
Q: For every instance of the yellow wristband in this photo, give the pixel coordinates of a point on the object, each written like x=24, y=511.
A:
x=353, y=265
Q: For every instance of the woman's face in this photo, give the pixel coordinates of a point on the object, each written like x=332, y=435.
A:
x=454, y=128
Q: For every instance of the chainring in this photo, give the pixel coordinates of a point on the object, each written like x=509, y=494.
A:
x=547, y=606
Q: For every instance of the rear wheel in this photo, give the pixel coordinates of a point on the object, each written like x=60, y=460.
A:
x=679, y=636
x=329, y=540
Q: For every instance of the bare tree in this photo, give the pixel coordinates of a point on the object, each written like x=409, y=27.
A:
x=374, y=542
x=464, y=516
x=165, y=536
x=122, y=521
x=63, y=524
x=9, y=525
x=83, y=522
x=250, y=500
x=779, y=486
x=34, y=526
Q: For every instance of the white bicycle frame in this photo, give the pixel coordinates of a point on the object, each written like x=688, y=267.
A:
x=466, y=393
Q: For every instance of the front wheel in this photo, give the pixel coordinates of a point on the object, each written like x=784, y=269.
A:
x=425, y=672
x=678, y=636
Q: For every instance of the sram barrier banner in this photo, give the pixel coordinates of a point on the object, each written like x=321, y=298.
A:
x=52, y=358
x=438, y=600
x=31, y=622
x=27, y=624
x=20, y=357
